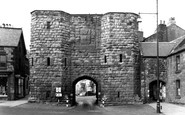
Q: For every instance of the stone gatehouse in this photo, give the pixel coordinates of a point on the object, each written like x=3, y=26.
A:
x=66, y=48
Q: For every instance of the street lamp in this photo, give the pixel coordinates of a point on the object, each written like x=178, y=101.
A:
x=158, y=89
x=157, y=71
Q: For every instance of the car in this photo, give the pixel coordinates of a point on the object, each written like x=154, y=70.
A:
x=89, y=93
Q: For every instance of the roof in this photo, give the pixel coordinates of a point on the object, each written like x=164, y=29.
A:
x=179, y=44
x=149, y=49
x=171, y=32
x=10, y=36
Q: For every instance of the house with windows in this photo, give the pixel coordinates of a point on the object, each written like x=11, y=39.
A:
x=176, y=72
x=107, y=49
x=14, y=65
x=171, y=64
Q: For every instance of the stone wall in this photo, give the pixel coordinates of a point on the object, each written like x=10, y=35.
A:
x=174, y=75
x=148, y=74
x=50, y=32
x=77, y=45
x=119, y=39
x=85, y=46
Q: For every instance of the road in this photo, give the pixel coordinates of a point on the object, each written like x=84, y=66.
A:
x=90, y=100
x=84, y=108
x=39, y=109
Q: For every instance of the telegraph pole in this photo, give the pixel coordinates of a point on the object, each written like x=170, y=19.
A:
x=158, y=87
x=158, y=107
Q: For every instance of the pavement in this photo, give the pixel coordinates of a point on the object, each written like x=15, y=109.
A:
x=167, y=108
x=170, y=109
x=13, y=103
x=90, y=100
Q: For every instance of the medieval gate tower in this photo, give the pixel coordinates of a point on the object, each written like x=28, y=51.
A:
x=66, y=48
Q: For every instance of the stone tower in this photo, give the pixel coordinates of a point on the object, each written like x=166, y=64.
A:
x=50, y=32
x=119, y=56
x=67, y=48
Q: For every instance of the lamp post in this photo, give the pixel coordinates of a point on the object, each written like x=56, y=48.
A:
x=158, y=88
x=158, y=107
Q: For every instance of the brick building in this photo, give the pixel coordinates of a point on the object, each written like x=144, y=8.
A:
x=14, y=66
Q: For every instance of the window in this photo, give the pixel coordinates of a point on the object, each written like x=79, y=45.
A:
x=105, y=59
x=48, y=61
x=120, y=58
x=118, y=94
x=32, y=60
x=20, y=87
x=3, y=85
x=48, y=25
x=65, y=62
x=177, y=63
x=177, y=87
x=3, y=61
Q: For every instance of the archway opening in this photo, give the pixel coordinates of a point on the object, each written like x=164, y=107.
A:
x=85, y=91
x=153, y=90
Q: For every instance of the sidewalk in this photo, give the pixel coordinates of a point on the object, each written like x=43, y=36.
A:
x=13, y=103
x=170, y=109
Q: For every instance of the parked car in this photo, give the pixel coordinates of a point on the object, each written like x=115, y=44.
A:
x=89, y=93
x=82, y=94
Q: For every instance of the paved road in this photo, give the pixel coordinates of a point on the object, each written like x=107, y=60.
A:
x=170, y=109
x=85, y=109
x=21, y=107
x=90, y=100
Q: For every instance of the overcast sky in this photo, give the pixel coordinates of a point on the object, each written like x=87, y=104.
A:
x=17, y=12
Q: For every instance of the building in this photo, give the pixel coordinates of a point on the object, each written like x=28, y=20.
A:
x=14, y=66
x=107, y=49
x=66, y=48
x=171, y=49
x=175, y=69
x=167, y=33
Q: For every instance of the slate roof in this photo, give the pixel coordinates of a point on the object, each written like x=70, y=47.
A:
x=149, y=49
x=179, y=44
x=10, y=36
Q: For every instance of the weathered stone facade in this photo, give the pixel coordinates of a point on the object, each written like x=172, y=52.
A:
x=120, y=40
x=148, y=75
x=66, y=48
x=171, y=46
x=173, y=76
x=14, y=66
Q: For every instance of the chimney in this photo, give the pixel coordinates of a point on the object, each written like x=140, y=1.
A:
x=172, y=21
x=3, y=25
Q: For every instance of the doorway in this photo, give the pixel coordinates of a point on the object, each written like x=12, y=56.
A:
x=85, y=91
x=153, y=90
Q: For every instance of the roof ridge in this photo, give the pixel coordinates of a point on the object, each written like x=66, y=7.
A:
x=10, y=28
x=181, y=39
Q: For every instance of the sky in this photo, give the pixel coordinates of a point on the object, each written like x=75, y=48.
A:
x=17, y=12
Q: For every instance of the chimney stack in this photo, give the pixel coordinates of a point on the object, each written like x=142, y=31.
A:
x=172, y=21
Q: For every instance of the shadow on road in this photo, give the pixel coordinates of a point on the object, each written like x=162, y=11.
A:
x=86, y=103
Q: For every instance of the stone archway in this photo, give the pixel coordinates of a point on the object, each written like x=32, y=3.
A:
x=74, y=88
x=153, y=90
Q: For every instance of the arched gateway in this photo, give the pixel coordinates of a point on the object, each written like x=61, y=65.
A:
x=153, y=90
x=74, y=88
